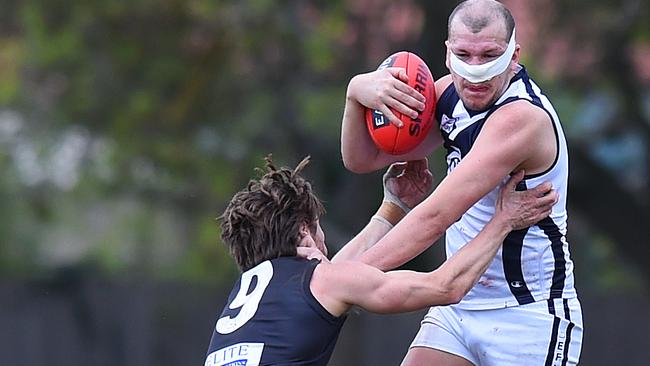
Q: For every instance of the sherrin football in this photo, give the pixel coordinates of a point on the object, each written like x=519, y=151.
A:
x=386, y=135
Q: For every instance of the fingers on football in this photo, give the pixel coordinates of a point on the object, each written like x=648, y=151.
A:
x=401, y=76
x=399, y=73
x=409, y=95
x=391, y=116
x=403, y=92
x=400, y=107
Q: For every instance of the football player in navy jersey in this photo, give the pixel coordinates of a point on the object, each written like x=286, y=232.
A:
x=493, y=120
x=288, y=310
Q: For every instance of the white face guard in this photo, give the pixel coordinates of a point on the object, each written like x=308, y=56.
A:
x=486, y=71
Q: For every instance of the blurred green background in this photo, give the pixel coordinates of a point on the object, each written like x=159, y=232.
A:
x=126, y=126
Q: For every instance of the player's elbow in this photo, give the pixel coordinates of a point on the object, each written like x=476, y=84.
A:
x=455, y=294
x=450, y=295
x=450, y=290
x=356, y=165
x=352, y=166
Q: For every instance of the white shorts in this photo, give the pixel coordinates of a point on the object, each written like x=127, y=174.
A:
x=542, y=333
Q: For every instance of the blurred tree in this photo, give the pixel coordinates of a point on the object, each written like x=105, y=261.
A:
x=156, y=112
x=610, y=130
x=125, y=127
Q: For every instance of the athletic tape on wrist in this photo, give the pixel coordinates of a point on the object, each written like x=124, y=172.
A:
x=383, y=220
x=390, y=197
x=390, y=212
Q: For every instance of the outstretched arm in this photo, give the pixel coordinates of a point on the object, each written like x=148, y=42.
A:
x=338, y=286
x=514, y=210
x=406, y=184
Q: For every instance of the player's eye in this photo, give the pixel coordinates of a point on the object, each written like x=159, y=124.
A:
x=491, y=55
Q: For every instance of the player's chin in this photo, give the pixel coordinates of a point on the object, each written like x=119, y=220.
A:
x=477, y=100
x=476, y=104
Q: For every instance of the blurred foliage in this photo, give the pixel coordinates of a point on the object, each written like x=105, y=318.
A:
x=125, y=127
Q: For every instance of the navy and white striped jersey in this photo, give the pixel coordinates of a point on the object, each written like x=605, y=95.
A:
x=272, y=318
x=533, y=264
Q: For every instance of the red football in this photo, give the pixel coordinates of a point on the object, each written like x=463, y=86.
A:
x=386, y=135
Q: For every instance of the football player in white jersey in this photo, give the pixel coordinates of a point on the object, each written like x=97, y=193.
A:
x=494, y=120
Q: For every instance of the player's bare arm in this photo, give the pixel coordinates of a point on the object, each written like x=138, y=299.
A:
x=340, y=285
x=518, y=136
x=406, y=184
x=381, y=90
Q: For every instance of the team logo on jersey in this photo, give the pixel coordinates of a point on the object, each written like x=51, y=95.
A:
x=453, y=159
x=517, y=284
x=448, y=124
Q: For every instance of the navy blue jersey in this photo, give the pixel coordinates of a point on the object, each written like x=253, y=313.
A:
x=272, y=318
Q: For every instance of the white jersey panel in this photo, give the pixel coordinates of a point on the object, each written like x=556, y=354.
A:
x=533, y=264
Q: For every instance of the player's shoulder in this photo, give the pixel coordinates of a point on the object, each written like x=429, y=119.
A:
x=328, y=271
x=442, y=84
x=519, y=113
x=340, y=273
x=323, y=276
x=331, y=282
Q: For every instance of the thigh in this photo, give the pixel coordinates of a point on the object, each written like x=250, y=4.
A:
x=423, y=356
x=440, y=340
x=541, y=333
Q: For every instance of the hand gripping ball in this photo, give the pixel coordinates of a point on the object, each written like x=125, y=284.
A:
x=386, y=135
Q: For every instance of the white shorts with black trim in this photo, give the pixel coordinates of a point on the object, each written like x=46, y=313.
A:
x=545, y=333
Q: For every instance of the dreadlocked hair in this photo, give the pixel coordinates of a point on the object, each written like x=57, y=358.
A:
x=263, y=220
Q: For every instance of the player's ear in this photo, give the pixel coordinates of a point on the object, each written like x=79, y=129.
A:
x=447, y=54
x=304, y=229
x=306, y=239
x=515, y=56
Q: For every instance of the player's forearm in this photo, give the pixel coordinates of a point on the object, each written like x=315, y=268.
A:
x=461, y=272
x=425, y=224
x=414, y=234
x=403, y=291
x=379, y=225
x=360, y=155
x=367, y=237
x=408, y=291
